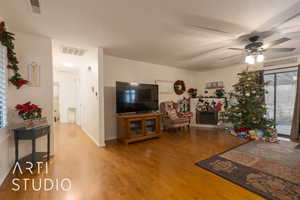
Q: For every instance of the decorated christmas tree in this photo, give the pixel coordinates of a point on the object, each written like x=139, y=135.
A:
x=247, y=110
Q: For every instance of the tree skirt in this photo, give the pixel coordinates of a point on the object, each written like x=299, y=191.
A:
x=268, y=169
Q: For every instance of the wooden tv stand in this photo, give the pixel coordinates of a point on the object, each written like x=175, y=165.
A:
x=137, y=127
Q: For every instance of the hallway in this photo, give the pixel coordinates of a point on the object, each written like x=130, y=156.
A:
x=156, y=169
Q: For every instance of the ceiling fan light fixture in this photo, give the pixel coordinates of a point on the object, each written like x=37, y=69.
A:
x=250, y=59
x=260, y=58
x=247, y=59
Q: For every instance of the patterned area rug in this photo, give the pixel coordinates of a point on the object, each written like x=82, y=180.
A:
x=271, y=170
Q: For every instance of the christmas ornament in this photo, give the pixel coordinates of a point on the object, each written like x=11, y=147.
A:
x=259, y=133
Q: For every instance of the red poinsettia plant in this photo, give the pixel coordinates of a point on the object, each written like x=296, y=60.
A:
x=192, y=92
x=29, y=111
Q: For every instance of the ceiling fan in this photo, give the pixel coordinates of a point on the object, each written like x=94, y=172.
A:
x=253, y=44
x=255, y=49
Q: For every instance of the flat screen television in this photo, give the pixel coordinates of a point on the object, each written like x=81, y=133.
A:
x=135, y=98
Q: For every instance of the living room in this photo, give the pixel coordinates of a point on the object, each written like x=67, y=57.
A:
x=200, y=101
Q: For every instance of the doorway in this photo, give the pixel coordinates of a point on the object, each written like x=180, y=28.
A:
x=79, y=88
x=280, y=98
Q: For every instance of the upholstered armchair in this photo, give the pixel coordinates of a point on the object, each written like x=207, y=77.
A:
x=171, y=118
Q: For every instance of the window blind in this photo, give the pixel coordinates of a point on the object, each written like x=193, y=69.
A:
x=3, y=108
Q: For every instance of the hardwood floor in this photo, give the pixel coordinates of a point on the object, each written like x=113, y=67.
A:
x=156, y=169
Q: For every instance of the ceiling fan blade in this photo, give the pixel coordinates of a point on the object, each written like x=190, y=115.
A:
x=210, y=29
x=262, y=35
x=230, y=57
x=282, y=18
x=276, y=42
x=294, y=35
x=281, y=49
x=288, y=29
x=203, y=54
x=289, y=19
x=209, y=25
x=236, y=49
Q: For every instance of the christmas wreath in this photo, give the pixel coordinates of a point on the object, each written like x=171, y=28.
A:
x=179, y=87
x=6, y=39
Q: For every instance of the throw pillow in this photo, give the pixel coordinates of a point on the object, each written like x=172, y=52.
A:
x=172, y=114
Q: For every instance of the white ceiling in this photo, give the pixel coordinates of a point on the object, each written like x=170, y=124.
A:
x=73, y=62
x=155, y=31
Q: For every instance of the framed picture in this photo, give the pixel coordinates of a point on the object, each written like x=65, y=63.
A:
x=164, y=86
x=208, y=85
x=220, y=84
x=34, y=74
x=214, y=85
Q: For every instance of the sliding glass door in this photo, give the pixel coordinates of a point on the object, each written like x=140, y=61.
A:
x=280, y=99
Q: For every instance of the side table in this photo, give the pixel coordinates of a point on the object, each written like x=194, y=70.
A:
x=32, y=134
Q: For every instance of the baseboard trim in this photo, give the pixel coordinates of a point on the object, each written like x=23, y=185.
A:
x=111, y=138
x=111, y=141
x=91, y=137
x=204, y=126
x=2, y=179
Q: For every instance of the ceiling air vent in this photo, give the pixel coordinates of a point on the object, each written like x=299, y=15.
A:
x=291, y=61
x=35, y=6
x=72, y=51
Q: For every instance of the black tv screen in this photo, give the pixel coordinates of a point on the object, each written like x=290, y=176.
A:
x=133, y=97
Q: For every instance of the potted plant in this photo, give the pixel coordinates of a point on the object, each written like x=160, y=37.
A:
x=28, y=111
x=192, y=92
x=220, y=92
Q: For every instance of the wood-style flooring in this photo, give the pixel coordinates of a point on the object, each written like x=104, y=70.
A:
x=158, y=169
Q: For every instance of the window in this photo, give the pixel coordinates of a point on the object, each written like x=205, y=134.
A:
x=2, y=86
x=281, y=97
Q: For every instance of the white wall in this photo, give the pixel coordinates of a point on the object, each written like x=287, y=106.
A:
x=229, y=75
x=89, y=102
x=119, y=69
x=101, y=88
x=28, y=48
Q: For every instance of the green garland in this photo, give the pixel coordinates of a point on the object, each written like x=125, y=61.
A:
x=6, y=39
